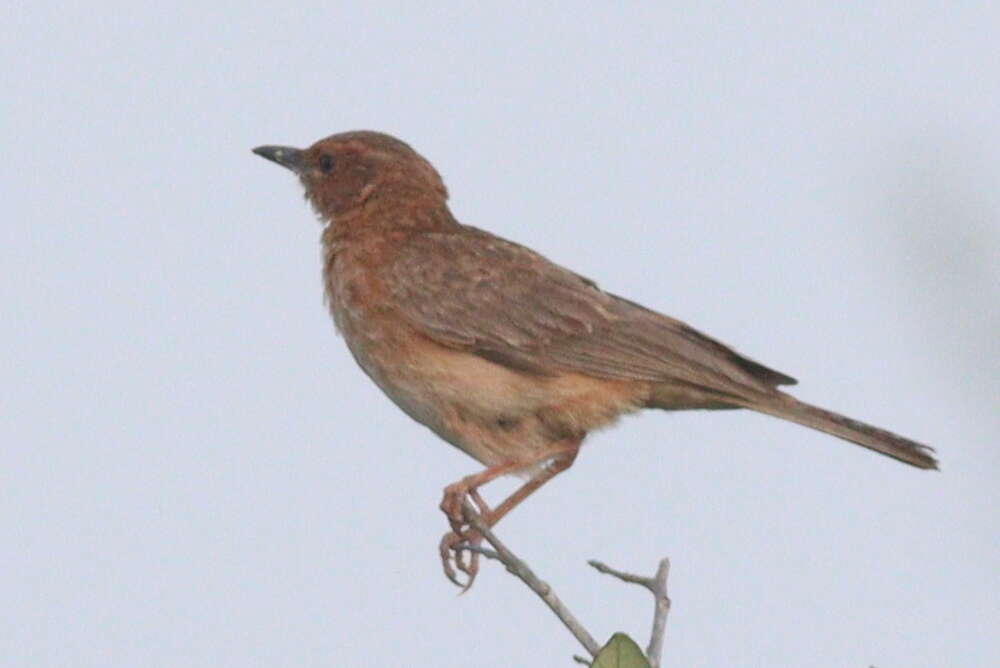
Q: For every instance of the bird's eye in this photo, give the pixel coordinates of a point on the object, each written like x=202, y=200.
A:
x=326, y=163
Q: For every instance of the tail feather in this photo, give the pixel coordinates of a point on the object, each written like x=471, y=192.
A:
x=873, y=438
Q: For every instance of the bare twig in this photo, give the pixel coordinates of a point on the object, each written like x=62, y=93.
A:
x=520, y=569
x=657, y=585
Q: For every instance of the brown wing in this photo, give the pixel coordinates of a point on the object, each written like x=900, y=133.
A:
x=473, y=291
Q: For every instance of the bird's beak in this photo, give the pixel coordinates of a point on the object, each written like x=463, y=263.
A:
x=286, y=156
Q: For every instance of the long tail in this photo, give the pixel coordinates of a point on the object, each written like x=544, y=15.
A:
x=879, y=440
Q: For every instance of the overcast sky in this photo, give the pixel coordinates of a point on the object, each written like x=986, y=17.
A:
x=193, y=471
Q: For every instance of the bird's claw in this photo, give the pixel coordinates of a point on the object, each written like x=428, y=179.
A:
x=453, y=550
x=454, y=544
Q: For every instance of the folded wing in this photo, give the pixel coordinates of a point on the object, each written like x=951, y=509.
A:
x=475, y=292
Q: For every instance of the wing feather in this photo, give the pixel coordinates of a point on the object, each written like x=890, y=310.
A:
x=476, y=292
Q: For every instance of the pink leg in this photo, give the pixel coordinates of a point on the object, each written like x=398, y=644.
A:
x=454, y=497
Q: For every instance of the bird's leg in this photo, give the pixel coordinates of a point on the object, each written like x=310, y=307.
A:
x=456, y=492
x=451, y=505
x=557, y=465
x=452, y=543
x=463, y=537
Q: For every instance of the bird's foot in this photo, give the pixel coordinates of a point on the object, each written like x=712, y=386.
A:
x=456, y=557
x=454, y=544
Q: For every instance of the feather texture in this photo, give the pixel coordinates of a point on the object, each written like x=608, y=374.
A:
x=475, y=292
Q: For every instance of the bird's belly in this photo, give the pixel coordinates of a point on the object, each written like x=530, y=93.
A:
x=494, y=414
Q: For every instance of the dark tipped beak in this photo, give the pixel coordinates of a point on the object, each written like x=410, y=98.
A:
x=286, y=156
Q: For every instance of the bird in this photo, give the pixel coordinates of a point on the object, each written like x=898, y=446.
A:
x=501, y=352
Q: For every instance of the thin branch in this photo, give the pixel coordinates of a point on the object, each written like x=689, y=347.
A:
x=479, y=549
x=517, y=567
x=657, y=585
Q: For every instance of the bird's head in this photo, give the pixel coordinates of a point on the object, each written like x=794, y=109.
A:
x=345, y=171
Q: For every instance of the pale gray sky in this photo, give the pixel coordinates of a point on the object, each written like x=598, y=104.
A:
x=194, y=472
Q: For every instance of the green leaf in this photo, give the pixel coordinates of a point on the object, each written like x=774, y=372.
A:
x=620, y=652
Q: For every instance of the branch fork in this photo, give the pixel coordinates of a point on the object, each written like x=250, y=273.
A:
x=657, y=585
